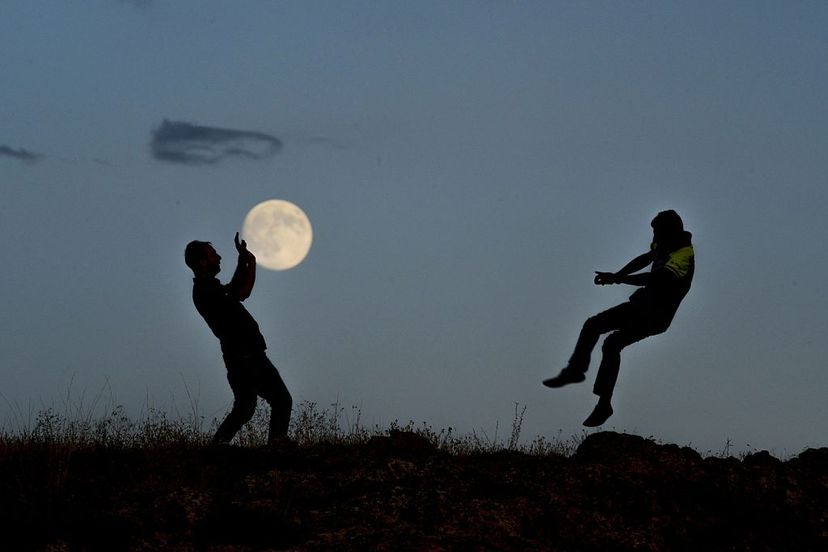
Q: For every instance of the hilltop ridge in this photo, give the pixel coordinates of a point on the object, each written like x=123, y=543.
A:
x=401, y=492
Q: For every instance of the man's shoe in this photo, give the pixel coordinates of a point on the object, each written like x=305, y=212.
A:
x=599, y=415
x=566, y=377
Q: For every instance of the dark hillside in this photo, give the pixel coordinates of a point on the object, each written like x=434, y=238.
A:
x=617, y=492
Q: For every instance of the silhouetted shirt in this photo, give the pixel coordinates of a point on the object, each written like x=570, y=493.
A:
x=671, y=276
x=223, y=311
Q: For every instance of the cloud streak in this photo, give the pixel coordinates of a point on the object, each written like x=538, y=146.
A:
x=190, y=144
x=20, y=154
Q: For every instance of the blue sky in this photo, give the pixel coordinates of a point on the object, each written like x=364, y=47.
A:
x=466, y=167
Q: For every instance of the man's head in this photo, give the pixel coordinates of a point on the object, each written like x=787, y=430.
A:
x=202, y=258
x=667, y=226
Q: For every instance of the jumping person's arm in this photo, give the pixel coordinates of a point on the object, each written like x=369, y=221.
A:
x=245, y=275
x=625, y=275
x=635, y=279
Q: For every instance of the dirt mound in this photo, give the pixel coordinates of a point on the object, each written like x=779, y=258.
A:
x=617, y=492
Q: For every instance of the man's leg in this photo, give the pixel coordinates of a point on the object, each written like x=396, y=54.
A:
x=611, y=359
x=271, y=387
x=244, y=401
x=593, y=328
x=609, y=368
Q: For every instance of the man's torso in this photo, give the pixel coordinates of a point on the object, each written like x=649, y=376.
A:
x=235, y=328
x=671, y=277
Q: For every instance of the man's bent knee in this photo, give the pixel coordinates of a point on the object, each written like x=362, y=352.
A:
x=592, y=325
x=614, y=343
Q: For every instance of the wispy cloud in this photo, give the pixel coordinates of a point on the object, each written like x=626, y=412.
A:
x=189, y=144
x=20, y=154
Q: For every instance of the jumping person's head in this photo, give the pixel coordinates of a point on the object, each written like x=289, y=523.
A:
x=202, y=258
x=667, y=227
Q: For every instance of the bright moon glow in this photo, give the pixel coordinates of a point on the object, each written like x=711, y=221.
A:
x=278, y=233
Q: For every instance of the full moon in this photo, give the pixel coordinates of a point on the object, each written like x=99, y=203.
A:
x=278, y=233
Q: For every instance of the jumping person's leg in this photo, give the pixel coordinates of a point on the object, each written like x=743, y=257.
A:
x=611, y=359
x=593, y=328
x=610, y=366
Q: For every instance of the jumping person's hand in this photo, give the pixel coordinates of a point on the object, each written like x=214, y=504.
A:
x=604, y=278
x=241, y=247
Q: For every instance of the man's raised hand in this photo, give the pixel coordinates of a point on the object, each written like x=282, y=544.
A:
x=241, y=247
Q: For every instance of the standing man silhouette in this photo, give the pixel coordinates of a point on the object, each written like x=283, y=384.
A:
x=649, y=311
x=249, y=371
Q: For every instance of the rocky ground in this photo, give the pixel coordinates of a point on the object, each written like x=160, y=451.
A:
x=617, y=492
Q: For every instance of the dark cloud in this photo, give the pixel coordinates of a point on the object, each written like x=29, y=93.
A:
x=179, y=142
x=20, y=154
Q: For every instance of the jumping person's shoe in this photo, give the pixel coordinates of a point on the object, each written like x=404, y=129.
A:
x=601, y=413
x=567, y=376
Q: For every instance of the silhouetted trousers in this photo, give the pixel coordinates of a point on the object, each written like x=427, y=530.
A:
x=629, y=323
x=251, y=377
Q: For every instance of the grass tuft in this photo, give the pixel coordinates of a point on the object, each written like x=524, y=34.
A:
x=78, y=428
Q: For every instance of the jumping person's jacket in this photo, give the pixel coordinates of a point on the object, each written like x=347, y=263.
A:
x=671, y=275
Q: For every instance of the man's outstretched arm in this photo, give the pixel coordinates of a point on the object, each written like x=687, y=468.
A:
x=245, y=276
x=626, y=274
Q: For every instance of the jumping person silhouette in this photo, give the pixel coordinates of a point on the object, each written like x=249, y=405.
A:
x=249, y=371
x=649, y=311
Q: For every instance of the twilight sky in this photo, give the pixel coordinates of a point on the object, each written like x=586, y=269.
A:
x=466, y=167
